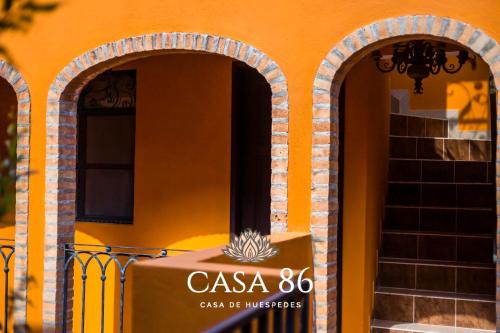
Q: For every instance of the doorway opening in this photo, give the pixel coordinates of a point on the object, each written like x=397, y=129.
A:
x=418, y=204
x=250, y=151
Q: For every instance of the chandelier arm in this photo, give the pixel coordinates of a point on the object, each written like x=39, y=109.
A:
x=385, y=67
x=452, y=68
x=435, y=69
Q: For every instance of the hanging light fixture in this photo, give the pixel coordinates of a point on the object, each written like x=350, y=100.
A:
x=419, y=58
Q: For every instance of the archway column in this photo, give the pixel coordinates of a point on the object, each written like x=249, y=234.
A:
x=20, y=87
x=325, y=170
x=61, y=139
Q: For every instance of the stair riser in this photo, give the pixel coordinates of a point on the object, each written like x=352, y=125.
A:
x=440, y=171
x=441, y=220
x=444, y=248
x=441, y=195
x=437, y=278
x=435, y=311
x=439, y=149
x=418, y=126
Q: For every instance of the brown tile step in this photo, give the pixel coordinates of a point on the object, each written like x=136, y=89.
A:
x=452, y=279
x=434, y=309
x=440, y=182
x=444, y=263
x=452, y=195
x=464, y=221
x=443, y=207
x=385, y=326
x=432, y=171
x=435, y=247
x=437, y=233
x=436, y=294
x=431, y=148
x=408, y=125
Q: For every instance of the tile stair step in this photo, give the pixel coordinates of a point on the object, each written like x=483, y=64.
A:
x=436, y=294
x=450, y=207
x=447, y=309
x=441, y=263
x=385, y=326
x=443, y=248
x=437, y=278
x=458, y=220
x=436, y=233
x=450, y=195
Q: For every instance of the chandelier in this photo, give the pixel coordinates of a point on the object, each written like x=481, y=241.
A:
x=418, y=59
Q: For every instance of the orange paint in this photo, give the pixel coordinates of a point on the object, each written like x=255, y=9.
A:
x=182, y=164
x=466, y=91
x=365, y=170
x=296, y=34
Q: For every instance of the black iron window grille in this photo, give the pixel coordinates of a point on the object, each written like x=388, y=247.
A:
x=106, y=258
x=275, y=320
x=106, y=148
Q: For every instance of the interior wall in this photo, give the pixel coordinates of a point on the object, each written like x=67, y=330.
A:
x=182, y=165
x=366, y=130
x=8, y=105
x=182, y=152
x=466, y=91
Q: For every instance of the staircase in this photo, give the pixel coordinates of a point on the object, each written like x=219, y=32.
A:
x=435, y=269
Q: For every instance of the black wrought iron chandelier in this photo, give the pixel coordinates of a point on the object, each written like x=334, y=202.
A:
x=419, y=58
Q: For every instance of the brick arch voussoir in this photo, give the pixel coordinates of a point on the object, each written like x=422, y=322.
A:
x=61, y=135
x=326, y=87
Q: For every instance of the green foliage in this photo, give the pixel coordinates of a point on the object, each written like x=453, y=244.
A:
x=8, y=169
x=17, y=15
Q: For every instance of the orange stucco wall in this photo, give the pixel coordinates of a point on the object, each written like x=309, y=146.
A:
x=365, y=170
x=182, y=164
x=296, y=34
x=182, y=156
x=184, y=305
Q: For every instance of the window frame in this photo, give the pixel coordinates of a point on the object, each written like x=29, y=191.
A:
x=82, y=166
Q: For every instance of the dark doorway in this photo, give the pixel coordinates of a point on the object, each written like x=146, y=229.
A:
x=250, y=151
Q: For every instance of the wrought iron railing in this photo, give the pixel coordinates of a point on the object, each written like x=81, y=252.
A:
x=275, y=320
x=118, y=257
x=7, y=250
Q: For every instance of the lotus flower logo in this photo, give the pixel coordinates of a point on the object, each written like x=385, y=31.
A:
x=250, y=246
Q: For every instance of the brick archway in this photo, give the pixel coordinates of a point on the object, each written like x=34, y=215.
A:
x=18, y=84
x=61, y=137
x=326, y=87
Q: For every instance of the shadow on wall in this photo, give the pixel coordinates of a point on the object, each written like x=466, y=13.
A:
x=463, y=98
x=474, y=115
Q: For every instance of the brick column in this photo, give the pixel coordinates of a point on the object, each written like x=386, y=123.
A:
x=15, y=79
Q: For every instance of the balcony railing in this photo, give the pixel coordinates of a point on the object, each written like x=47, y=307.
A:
x=7, y=251
x=117, y=257
x=275, y=320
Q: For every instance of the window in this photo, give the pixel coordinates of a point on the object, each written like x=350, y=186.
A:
x=106, y=140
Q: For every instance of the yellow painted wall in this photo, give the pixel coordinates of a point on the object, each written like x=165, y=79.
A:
x=153, y=296
x=466, y=91
x=182, y=164
x=296, y=34
x=365, y=174
x=182, y=157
